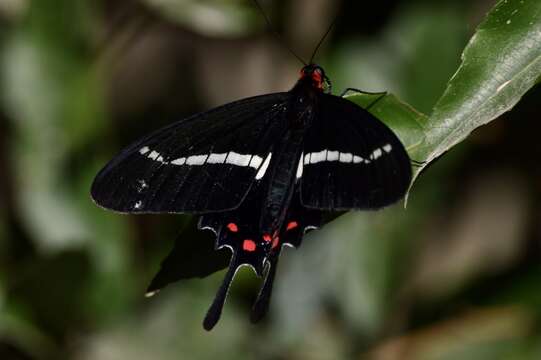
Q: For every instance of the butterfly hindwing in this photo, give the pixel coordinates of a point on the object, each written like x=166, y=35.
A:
x=201, y=164
x=351, y=159
x=193, y=256
x=239, y=231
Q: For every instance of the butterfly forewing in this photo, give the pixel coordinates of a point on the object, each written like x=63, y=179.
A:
x=201, y=164
x=351, y=159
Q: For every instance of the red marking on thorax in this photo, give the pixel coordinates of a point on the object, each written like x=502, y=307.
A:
x=267, y=238
x=232, y=227
x=318, y=79
x=316, y=76
x=248, y=245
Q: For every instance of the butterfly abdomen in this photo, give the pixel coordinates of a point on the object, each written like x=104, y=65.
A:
x=282, y=177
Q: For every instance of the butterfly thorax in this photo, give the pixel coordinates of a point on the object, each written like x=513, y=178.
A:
x=303, y=103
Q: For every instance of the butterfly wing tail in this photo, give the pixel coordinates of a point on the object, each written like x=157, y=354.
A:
x=215, y=311
x=261, y=305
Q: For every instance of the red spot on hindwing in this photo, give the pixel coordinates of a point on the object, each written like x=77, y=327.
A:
x=292, y=225
x=232, y=227
x=248, y=245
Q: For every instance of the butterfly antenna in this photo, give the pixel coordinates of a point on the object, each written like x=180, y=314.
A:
x=323, y=39
x=276, y=33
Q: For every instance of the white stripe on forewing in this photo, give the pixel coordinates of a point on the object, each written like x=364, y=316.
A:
x=346, y=158
x=196, y=159
x=333, y=155
x=144, y=150
x=232, y=158
x=357, y=159
x=316, y=157
x=256, y=162
x=217, y=158
x=300, y=166
x=179, y=161
x=263, y=168
x=153, y=155
x=376, y=154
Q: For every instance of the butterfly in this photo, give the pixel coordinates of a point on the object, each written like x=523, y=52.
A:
x=260, y=172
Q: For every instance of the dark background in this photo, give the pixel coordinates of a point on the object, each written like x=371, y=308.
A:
x=454, y=276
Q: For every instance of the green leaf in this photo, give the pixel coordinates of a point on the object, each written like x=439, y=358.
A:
x=401, y=59
x=499, y=65
x=405, y=121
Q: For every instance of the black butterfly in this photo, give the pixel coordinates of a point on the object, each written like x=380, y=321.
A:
x=260, y=172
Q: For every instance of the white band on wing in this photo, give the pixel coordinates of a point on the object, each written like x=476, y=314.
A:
x=231, y=158
x=346, y=158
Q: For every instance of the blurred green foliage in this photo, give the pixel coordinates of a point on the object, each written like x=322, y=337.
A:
x=455, y=276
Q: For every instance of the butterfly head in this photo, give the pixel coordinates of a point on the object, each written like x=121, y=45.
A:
x=316, y=75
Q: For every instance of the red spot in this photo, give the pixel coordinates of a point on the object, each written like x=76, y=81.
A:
x=315, y=74
x=267, y=238
x=292, y=225
x=275, y=242
x=248, y=245
x=232, y=227
x=317, y=77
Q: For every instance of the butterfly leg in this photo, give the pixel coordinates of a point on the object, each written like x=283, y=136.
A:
x=381, y=95
x=416, y=163
x=346, y=91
